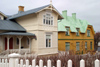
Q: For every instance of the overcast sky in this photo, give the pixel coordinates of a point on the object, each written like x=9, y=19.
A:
x=85, y=9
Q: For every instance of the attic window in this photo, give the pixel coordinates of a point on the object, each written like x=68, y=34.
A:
x=48, y=19
x=88, y=32
x=67, y=31
x=77, y=33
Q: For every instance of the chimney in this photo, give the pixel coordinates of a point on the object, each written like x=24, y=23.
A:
x=64, y=14
x=74, y=16
x=21, y=9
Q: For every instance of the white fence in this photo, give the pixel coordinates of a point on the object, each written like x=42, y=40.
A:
x=15, y=63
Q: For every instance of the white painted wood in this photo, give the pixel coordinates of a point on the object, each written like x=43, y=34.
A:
x=69, y=63
x=27, y=63
x=49, y=63
x=21, y=63
x=97, y=63
x=40, y=63
x=58, y=63
x=33, y=63
x=2, y=62
x=6, y=62
x=82, y=63
x=16, y=63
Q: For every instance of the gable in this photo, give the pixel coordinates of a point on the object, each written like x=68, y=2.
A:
x=36, y=10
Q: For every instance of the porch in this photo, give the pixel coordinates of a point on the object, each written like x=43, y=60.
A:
x=19, y=42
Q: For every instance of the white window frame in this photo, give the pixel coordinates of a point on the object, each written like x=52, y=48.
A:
x=48, y=18
x=45, y=40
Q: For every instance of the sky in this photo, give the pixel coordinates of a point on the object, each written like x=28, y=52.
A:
x=85, y=9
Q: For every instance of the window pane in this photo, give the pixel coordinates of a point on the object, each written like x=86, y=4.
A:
x=17, y=41
x=67, y=46
x=49, y=42
x=77, y=33
x=77, y=46
x=85, y=45
x=67, y=31
x=46, y=42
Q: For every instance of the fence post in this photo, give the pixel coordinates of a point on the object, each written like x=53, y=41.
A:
x=30, y=66
x=69, y=63
x=21, y=63
x=82, y=63
x=12, y=59
x=49, y=63
x=40, y=63
x=2, y=62
x=6, y=63
x=33, y=63
x=58, y=63
x=96, y=63
x=27, y=63
x=24, y=65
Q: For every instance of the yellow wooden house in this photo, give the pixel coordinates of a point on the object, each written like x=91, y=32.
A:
x=75, y=34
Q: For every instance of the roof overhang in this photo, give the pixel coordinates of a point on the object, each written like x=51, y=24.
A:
x=52, y=9
x=3, y=14
x=18, y=33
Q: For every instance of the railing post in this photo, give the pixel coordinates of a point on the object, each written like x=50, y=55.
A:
x=58, y=63
x=40, y=63
x=96, y=63
x=82, y=63
x=49, y=63
x=12, y=60
x=69, y=63
x=33, y=63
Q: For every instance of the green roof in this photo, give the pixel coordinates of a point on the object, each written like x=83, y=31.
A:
x=72, y=23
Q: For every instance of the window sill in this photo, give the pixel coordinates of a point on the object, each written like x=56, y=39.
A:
x=67, y=35
x=88, y=36
x=77, y=35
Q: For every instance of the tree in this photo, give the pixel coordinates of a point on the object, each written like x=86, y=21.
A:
x=96, y=40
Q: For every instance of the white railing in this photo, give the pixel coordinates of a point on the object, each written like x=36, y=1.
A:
x=4, y=63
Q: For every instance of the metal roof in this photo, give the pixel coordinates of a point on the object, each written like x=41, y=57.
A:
x=18, y=33
x=10, y=26
x=72, y=24
x=27, y=12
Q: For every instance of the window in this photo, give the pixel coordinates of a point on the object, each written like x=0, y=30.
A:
x=17, y=41
x=77, y=33
x=85, y=45
x=67, y=46
x=90, y=45
x=48, y=19
x=67, y=31
x=88, y=32
x=77, y=45
x=48, y=40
